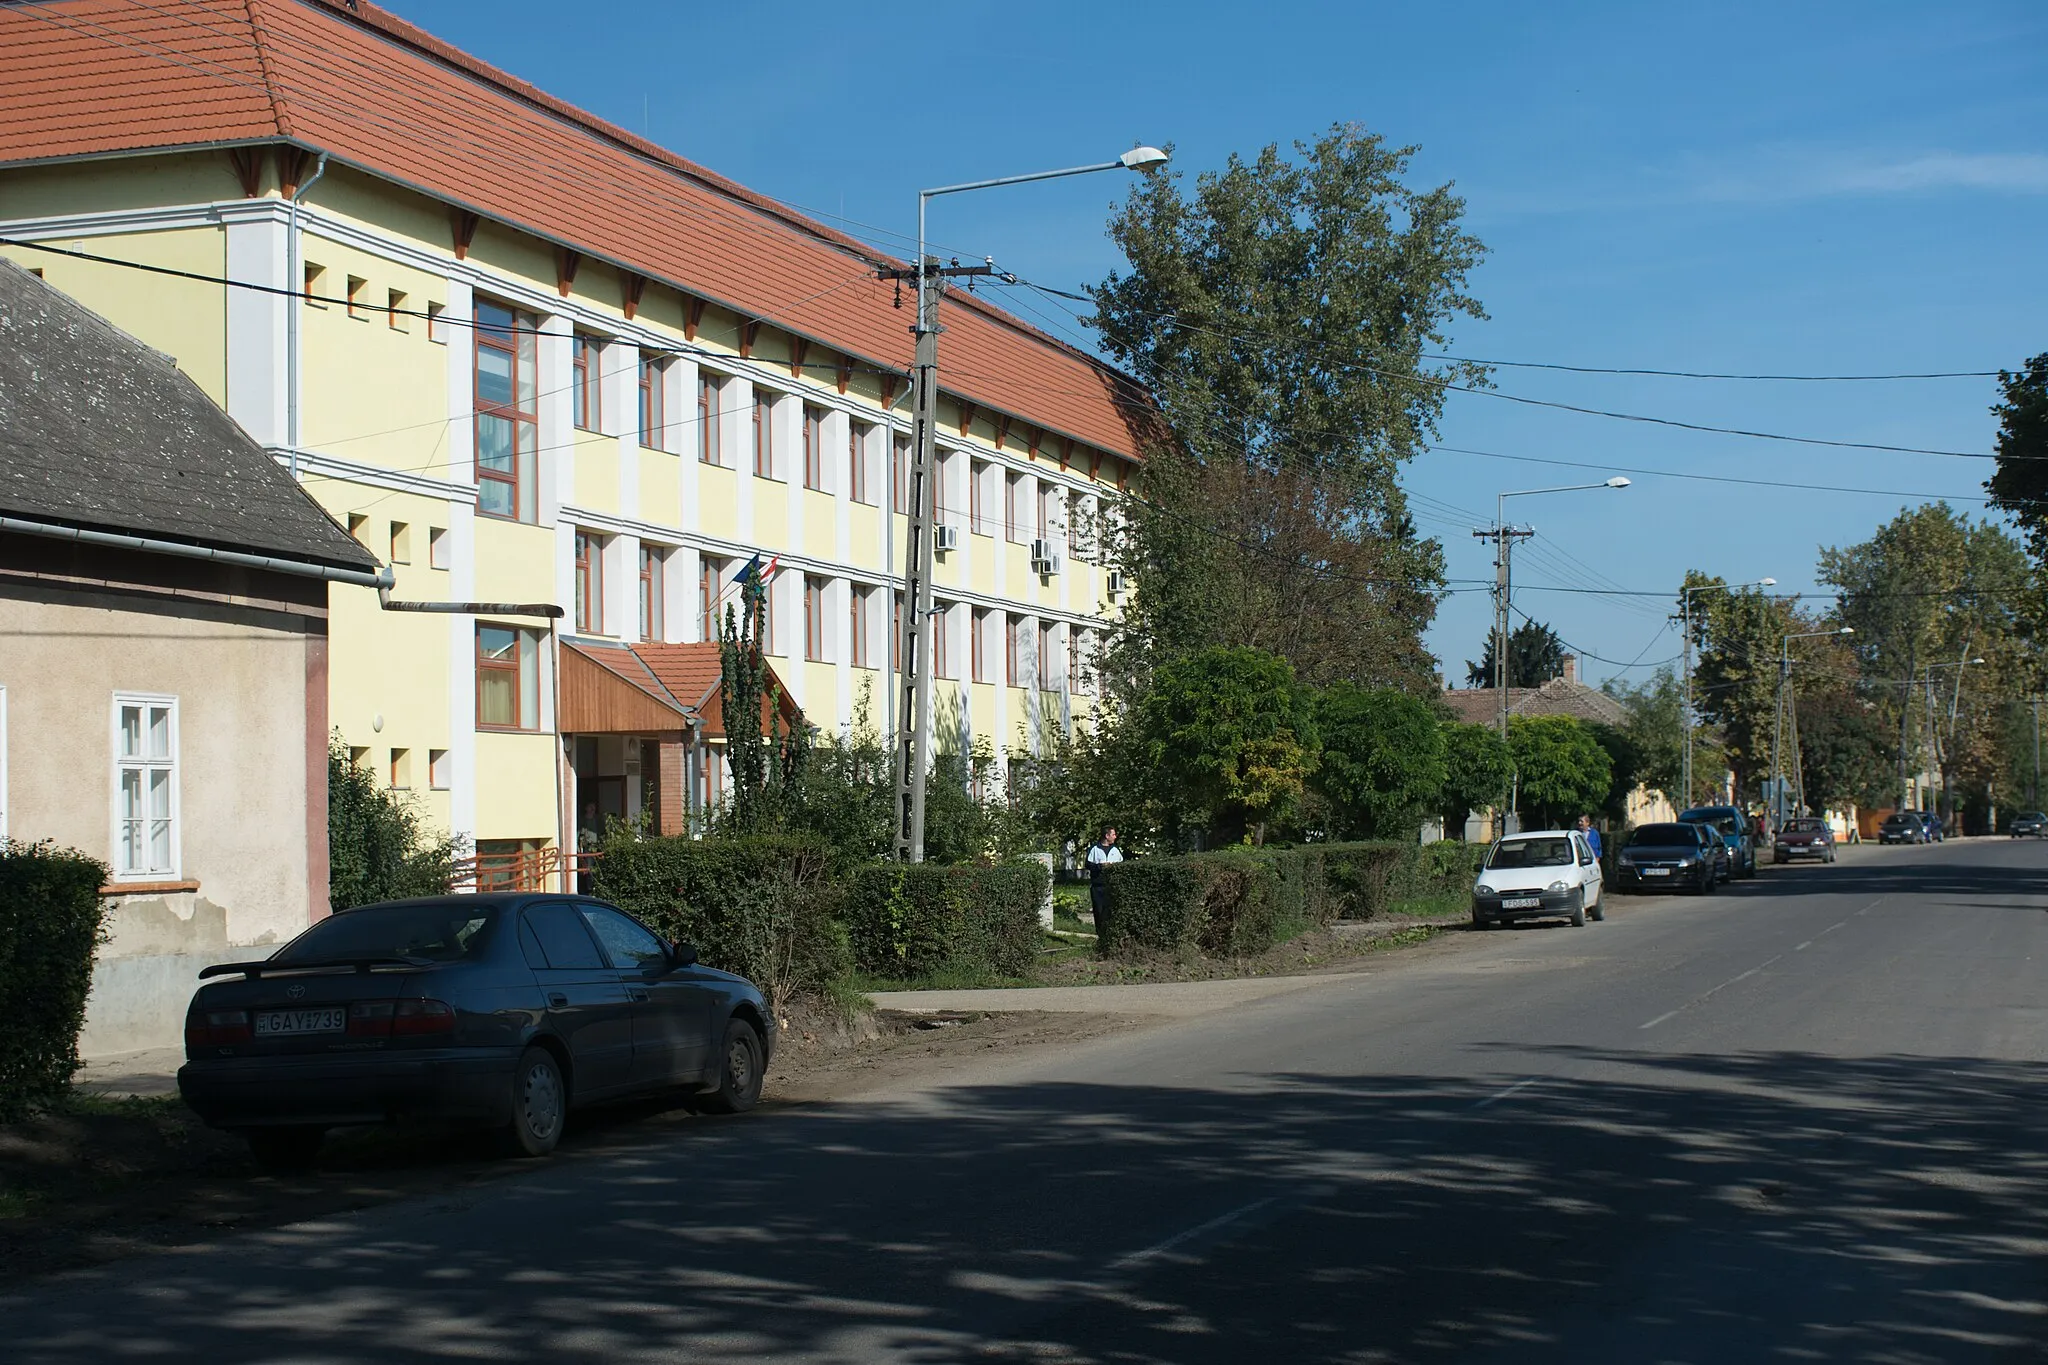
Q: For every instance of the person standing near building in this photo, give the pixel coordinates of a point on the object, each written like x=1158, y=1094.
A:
x=1101, y=855
x=1592, y=835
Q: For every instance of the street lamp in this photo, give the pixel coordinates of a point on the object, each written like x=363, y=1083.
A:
x=1778, y=733
x=913, y=716
x=1503, y=537
x=1685, y=623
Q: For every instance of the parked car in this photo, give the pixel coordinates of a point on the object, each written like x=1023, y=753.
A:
x=1804, y=837
x=1548, y=873
x=2033, y=824
x=1936, y=831
x=501, y=1010
x=1736, y=832
x=1682, y=855
x=1902, y=827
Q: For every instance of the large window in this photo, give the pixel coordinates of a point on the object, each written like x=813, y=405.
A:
x=707, y=419
x=814, y=619
x=814, y=448
x=1013, y=514
x=1048, y=658
x=857, y=624
x=708, y=613
x=857, y=461
x=145, y=787
x=586, y=383
x=978, y=646
x=589, y=584
x=764, y=434
x=653, y=423
x=507, y=415
x=1014, y=638
x=977, y=509
x=507, y=678
x=942, y=652
x=899, y=474
x=652, y=562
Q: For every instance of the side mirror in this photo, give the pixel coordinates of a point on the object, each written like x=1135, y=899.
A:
x=683, y=954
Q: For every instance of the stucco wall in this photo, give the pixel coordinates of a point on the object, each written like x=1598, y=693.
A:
x=248, y=722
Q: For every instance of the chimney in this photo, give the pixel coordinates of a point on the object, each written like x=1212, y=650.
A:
x=1571, y=668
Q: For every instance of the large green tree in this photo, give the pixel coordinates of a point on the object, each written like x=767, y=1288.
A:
x=1382, y=765
x=1535, y=656
x=1656, y=733
x=1735, y=683
x=1477, y=770
x=1282, y=312
x=1229, y=736
x=1561, y=770
x=2019, y=483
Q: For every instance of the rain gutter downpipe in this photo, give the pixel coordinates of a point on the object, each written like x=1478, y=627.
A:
x=296, y=276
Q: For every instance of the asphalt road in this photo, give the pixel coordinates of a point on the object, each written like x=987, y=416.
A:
x=1797, y=1120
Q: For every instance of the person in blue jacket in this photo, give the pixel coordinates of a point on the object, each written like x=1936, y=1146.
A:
x=1592, y=835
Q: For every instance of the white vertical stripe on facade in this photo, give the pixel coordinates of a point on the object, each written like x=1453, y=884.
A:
x=461, y=360
x=557, y=458
x=257, y=253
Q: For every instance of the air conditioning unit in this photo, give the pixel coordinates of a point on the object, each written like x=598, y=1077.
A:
x=1116, y=583
x=1041, y=550
x=1048, y=565
x=945, y=538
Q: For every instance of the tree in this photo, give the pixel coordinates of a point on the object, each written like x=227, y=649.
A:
x=1845, y=750
x=1735, y=685
x=1535, y=656
x=2019, y=484
x=768, y=765
x=1382, y=764
x=1656, y=732
x=1477, y=770
x=1281, y=316
x=1230, y=739
x=378, y=847
x=1561, y=772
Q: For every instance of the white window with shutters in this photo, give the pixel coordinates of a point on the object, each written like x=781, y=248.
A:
x=145, y=788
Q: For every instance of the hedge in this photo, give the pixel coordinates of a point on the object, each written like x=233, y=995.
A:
x=915, y=919
x=757, y=905
x=51, y=924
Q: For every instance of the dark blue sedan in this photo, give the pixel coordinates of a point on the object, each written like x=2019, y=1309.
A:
x=503, y=1010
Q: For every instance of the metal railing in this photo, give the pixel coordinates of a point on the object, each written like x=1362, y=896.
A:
x=537, y=869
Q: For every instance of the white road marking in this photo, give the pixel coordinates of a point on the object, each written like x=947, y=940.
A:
x=1179, y=1239
x=1668, y=1014
x=1704, y=996
x=1804, y=946
x=1498, y=1097
x=1831, y=928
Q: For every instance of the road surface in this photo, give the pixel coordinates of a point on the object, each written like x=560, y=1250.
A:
x=1800, y=1120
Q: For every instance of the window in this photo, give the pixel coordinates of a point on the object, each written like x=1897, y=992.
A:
x=564, y=939
x=857, y=461
x=1047, y=658
x=394, y=309
x=1013, y=521
x=1081, y=528
x=316, y=277
x=145, y=786
x=589, y=584
x=437, y=769
x=707, y=599
x=1048, y=511
x=896, y=630
x=942, y=654
x=707, y=419
x=977, y=514
x=507, y=415
x=1013, y=650
x=768, y=637
x=814, y=619
x=437, y=330
x=764, y=434
x=653, y=424
x=652, y=562
x=814, y=448
x=586, y=383
x=978, y=646
x=1080, y=660
x=401, y=769
x=358, y=304
x=857, y=633
x=507, y=678
x=440, y=549
x=899, y=473
x=358, y=525
x=630, y=947
x=401, y=543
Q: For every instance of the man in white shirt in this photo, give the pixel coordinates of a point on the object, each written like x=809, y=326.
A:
x=1101, y=854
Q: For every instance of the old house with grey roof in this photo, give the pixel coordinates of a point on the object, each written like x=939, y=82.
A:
x=163, y=655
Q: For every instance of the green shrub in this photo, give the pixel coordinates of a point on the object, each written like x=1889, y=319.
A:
x=50, y=927
x=913, y=920
x=1152, y=905
x=1365, y=878
x=758, y=905
x=378, y=846
x=1231, y=903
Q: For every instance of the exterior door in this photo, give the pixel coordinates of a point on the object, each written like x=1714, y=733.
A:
x=587, y=1000
x=671, y=1009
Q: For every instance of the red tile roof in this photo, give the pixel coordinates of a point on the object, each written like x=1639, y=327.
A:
x=98, y=77
x=1558, y=697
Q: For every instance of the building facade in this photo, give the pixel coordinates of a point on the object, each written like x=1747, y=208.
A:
x=538, y=360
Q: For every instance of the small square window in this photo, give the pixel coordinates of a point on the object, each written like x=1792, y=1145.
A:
x=358, y=301
x=401, y=543
x=437, y=330
x=358, y=525
x=358, y=755
x=437, y=769
x=395, y=310
x=316, y=277
x=440, y=552
x=401, y=769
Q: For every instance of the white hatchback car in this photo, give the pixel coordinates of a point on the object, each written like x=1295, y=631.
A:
x=1547, y=873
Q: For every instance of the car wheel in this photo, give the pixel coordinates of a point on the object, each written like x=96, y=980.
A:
x=1579, y=909
x=285, y=1151
x=540, y=1105
x=1598, y=909
x=739, y=1074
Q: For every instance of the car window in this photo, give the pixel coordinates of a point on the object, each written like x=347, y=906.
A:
x=432, y=931
x=1510, y=853
x=562, y=935
x=1664, y=836
x=628, y=945
x=1585, y=850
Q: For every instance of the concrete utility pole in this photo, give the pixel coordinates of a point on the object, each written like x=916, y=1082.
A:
x=914, y=630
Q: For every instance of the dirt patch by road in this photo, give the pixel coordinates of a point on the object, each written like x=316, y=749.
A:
x=102, y=1179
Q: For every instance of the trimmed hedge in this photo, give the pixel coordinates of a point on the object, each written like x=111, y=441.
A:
x=761, y=905
x=913, y=919
x=51, y=924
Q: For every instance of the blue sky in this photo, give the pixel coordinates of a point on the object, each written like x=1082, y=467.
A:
x=1769, y=188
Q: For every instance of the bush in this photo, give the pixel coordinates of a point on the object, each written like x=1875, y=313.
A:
x=50, y=927
x=911, y=920
x=758, y=905
x=1230, y=903
x=378, y=849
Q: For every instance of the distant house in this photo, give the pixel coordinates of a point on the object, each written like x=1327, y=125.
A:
x=163, y=656
x=1561, y=696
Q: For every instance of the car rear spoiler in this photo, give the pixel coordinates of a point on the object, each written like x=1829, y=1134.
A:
x=255, y=970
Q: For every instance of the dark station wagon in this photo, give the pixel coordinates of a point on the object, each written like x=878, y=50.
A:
x=499, y=1010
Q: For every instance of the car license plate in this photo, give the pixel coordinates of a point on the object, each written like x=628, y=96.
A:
x=1521, y=902
x=270, y=1023
x=1656, y=872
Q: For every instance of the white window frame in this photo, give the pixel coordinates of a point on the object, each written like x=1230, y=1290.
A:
x=175, y=871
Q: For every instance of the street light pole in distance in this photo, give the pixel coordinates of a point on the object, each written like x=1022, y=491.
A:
x=913, y=725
